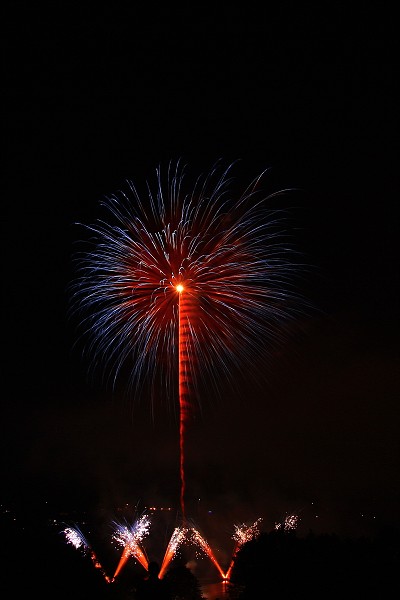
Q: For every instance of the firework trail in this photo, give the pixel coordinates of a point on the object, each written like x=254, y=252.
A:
x=177, y=538
x=242, y=533
x=130, y=539
x=198, y=539
x=183, y=385
x=178, y=279
x=75, y=537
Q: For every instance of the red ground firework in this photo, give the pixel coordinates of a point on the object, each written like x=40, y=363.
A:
x=179, y=279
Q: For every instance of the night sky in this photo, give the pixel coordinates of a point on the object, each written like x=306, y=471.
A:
x=97, y=95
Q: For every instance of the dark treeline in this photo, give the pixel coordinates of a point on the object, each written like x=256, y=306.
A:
x=281, y=565
x=275, y=565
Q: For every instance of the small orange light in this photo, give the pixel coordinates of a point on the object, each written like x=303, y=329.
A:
x=179, y=288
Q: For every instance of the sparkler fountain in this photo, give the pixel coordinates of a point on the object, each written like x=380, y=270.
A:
x=131, y=540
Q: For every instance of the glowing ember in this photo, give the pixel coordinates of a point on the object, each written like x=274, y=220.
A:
x=289, y=523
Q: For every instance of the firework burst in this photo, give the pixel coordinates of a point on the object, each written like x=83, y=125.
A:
x=180, y=278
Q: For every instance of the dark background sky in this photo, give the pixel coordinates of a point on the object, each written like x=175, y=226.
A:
x=95, y=95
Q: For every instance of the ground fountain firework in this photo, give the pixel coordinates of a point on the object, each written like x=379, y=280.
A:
x=132, y=540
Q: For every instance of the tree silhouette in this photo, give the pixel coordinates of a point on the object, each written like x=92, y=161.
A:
x=183, y=584
x=282, y=565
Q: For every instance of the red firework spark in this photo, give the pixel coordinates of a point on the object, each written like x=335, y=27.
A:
x=228, y=255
